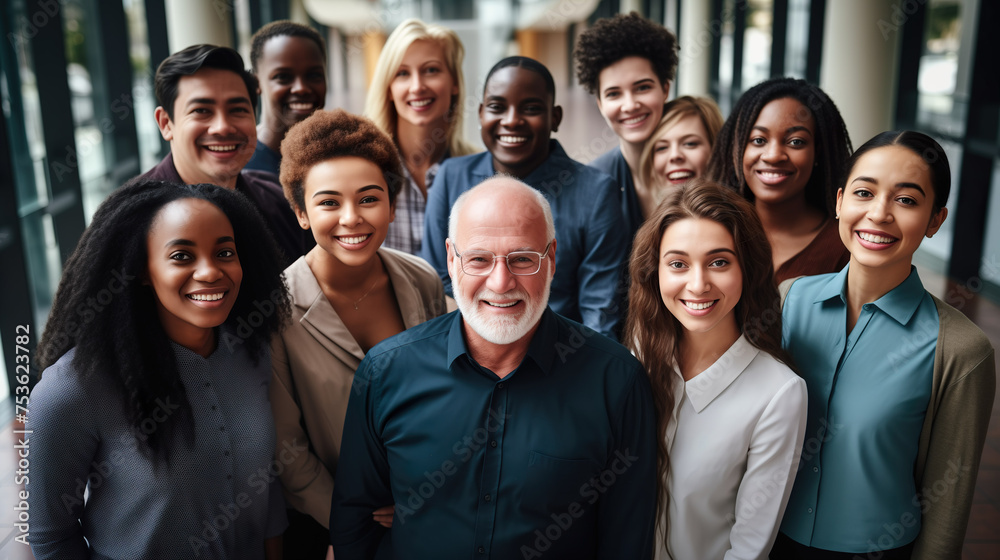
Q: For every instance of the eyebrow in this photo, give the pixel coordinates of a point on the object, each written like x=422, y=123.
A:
x=712, y=252
x=211, y=101
x=897, y=186
x=189, y=243
x=788, y=130
x=338, y=193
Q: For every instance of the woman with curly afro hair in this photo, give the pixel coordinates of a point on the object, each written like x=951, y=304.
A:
x=155, y=383
x=627, y=62
x=342, y=175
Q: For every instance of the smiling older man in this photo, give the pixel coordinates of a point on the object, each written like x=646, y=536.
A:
x=502, y=430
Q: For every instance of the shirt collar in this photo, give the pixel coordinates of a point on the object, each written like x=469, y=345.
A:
x=900, y=303
x=541, y=350
x=484, y=168
x=709, y=384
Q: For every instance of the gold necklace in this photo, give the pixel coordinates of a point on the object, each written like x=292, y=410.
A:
x=363, y=296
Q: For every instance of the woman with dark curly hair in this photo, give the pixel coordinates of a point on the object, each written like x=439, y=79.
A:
x=627, y=62
x=154, y=392
x=342, y=175
x=782, y=148
x=704, y=321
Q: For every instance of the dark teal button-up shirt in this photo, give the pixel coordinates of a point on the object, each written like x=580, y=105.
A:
x=868, y=395
x=555, y=460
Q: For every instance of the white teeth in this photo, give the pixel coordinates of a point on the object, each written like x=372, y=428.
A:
x=227, y=148
x=300, y=106
x=634, y=120
x=875, y=238
x=206, y=297
x=421, y=103
x=501, y=304
x=772, y=174
x=353, y=240
x=699, y=306
x=513, y=139
x=675, y=175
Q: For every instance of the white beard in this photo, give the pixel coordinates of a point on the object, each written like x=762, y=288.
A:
x=503, y=329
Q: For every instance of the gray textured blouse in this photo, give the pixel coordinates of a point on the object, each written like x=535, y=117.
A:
x=219, y=498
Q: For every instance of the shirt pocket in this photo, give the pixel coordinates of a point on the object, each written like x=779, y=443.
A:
x=552, y=483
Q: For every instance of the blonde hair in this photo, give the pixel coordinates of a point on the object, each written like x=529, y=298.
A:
x=378, y=104
x=680, y=108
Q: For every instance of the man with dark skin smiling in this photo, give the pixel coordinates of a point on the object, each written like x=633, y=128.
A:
x=206, y=111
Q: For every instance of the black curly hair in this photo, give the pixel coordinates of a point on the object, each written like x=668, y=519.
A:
x=621, y=36
x=121, y=342
x=282, y=28
x=833, y=144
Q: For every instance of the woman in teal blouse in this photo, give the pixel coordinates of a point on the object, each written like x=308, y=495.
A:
x=901, y=385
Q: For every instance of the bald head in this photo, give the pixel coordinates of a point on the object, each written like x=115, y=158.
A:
x=500, y=200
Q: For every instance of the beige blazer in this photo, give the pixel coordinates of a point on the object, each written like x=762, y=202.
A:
x=313, y=363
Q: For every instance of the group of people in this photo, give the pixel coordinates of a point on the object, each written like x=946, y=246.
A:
x=709, y=343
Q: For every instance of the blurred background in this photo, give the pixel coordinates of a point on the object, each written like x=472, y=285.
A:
x=77, y=99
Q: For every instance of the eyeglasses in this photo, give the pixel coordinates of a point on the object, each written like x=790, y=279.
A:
x=519, y=263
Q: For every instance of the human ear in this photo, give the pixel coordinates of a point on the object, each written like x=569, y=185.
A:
x=164, y=123
x=936, y=220
x=557, y=115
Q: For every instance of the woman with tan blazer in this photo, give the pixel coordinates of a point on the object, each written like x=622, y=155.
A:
x=341, y=175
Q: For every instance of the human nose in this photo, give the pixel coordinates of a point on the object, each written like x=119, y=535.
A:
x=207, y=271
x=500, y=280
x=510, y=117
x=416, y=82
x=349, y=216
x=774, y=151
x=298, y=85
x=221, y=124
x=878, y=211
x=697, y=280
x=676, y=154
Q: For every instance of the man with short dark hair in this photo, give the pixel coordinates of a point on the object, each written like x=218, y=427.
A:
x=502, y=430
x=206, y=111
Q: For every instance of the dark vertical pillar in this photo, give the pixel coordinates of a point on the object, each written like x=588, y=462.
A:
x=912, y=45
x=779, y=37
x=980, y=146
x=48, y=48
x=814, y=51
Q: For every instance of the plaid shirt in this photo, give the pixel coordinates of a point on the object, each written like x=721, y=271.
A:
x=407, y=230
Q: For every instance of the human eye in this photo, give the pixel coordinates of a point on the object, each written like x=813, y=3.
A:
x=692, y=143
x=797, y=143
x=494, y=107
x=370, y=199
x=329, y=202
x=316, y=76
x=201, y=111
x=611, y=94
x=661, y=147
x=227, y=253
x=907, y=201
x=643, y=87
x=180, y=257
x=863, y=193
x=402, y=73
x=676, y=265
x=533, y=109
x=757, y=141
x=432, y=70
x=718, y=263
x=282, y=77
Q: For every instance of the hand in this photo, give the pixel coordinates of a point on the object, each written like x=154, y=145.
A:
x=383, y=516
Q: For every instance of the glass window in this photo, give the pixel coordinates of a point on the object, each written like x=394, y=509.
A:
x=143, y=102
x=941, y=100
x=757, y=42
x=990, y=266
x=797, y=38
x=938, y=248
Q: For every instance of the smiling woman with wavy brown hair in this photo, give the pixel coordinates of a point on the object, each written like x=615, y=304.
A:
x=704, y=321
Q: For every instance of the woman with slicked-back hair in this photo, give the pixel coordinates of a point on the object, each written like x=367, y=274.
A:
x=417, y=97
x=154, y=400
x=901, y=384
x=704, y=321
x=782, y=148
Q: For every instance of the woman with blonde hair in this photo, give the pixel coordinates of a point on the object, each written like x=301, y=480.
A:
x=416, y=98
x=679, y=148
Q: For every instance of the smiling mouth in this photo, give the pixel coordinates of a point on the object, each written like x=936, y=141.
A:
x=635, y=120
x=301, y=106
x=207, y=297
x=872, y=238
x=501, y=305
x=225, y=148
x=420, y=102
x=353, y=239
x=680, y=175
x=699, y=306
x=513, y=139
